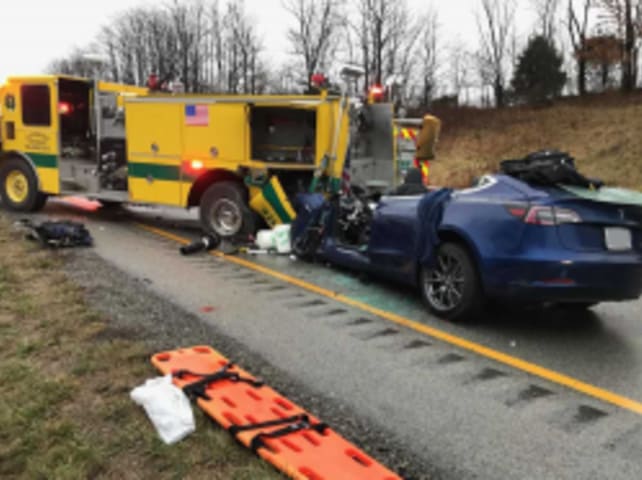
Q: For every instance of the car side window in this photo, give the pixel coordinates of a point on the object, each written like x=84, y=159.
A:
x=36, y=105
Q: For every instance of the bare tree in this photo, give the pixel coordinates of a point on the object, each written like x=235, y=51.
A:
x=428, y=55
x=546, y=11
x=495, y=24
x=370, y=28
x=577, y=31
x=140, y=42
x=78, y=64
x=602, y=52
x=185, y=20
x=459, y=69
x=408, y=34
x=187, y=40
x=242, y=46
x=214, y=48
x=314, y=36
x=626, y=18
x=387, y=34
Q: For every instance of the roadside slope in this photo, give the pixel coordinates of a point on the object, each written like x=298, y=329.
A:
x=603, y=133
x=65, y=377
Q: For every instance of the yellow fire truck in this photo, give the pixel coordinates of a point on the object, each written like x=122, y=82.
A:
x=229, y=155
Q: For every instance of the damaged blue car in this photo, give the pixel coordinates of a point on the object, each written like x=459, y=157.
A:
x=509, y=237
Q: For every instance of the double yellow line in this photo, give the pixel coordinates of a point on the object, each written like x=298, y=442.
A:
x=533, y=369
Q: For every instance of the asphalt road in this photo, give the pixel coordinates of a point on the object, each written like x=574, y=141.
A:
x=469, y=416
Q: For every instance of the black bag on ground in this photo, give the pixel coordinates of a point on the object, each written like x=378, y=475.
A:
x=548, y=168
x=59, y=233
x=206, y=243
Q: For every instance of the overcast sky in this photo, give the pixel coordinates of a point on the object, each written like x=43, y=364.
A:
x=34, y=32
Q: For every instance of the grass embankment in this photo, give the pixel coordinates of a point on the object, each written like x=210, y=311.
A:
x=603, y=133
x=65, y=410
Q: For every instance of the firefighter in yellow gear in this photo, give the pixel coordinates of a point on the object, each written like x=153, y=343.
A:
x=426, y=142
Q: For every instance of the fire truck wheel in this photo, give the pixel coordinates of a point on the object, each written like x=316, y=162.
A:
x=19, y=187
x=224, y=211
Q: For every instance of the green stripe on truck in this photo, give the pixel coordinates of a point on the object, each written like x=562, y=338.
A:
x=43, y=160
x=155, y=171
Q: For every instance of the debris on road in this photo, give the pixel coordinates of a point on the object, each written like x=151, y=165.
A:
x=275, y=240
x=56, y=233
x=206, y=243
x=167, y=407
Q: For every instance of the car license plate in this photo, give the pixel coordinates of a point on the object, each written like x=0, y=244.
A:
x=618, y=239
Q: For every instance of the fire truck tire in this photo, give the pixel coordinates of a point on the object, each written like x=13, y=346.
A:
x=19, y=187
x=224, y=211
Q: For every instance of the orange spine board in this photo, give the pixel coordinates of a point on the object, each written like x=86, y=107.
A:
x=306, y=454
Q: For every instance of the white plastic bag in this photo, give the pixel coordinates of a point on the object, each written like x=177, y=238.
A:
x=265, y=239
x=282, y=238
x=167, y=407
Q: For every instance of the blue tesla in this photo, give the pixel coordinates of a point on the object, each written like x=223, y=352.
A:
x=503, y=239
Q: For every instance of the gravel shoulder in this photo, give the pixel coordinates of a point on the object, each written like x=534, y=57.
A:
x=135, y=311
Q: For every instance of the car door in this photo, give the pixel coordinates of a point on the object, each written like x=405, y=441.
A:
x=392, y=237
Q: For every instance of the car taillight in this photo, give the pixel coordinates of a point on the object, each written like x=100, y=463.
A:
x=517, y=209
x=543, y=215
x=540, y=216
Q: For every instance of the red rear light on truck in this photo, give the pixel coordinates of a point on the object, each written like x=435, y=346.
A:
x=543, y=215
x=193, y=168
x=196, y=165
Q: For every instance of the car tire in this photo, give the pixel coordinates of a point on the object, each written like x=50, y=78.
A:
x=224, y=211
x=19, y=187
x=451, y=288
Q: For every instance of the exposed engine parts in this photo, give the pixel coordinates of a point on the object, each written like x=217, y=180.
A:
x=355, y=216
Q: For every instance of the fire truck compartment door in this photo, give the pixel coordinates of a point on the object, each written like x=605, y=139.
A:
x=154, y=147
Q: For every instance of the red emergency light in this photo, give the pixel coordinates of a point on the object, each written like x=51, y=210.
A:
x=64, y=108
x=318, y=80
x=376, y=93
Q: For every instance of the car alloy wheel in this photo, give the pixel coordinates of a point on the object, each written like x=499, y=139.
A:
x=444, y=284
x=451, y=287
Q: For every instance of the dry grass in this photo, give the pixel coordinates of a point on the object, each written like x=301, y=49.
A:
x=65, y=379
x=603, y=133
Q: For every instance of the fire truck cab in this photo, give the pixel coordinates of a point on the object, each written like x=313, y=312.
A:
x=62, y=135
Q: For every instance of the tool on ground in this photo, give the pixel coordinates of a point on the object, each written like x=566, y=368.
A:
x=276, y=429
x=206, y=243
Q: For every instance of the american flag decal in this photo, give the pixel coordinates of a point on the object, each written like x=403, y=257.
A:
x=197, y=116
